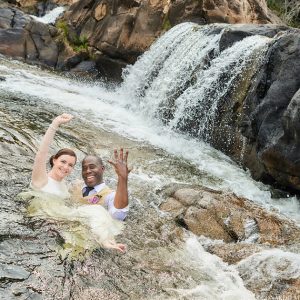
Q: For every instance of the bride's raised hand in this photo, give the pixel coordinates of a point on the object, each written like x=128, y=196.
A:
x=39, y=171
x=62, y=119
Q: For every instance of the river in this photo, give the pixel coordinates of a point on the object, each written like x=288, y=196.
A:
x=130, y=115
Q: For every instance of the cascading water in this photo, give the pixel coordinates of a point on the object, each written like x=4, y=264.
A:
x=161, y=93
x=183, y=79
x=51, y=16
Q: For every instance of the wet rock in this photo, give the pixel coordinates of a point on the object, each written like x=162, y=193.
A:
x=84, y=66
x=241, y=233
x=271, y=119
x=173, y=206
x=109, y=68
x=229, y=218
x=13, y=272
x=239, y=32
x=232, y=253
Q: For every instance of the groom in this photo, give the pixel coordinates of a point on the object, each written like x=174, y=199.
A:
x=95, y=191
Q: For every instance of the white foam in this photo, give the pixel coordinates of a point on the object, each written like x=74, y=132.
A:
x=269, y=269
x=50, y=17
x=219, y=280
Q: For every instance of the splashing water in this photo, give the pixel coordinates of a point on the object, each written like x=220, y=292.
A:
x=184, y=77
x=269, y=268
x=219, y=281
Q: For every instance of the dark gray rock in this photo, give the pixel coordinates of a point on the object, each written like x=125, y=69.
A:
x=23, y=38
x=6, y=16
x=84, y=66
x=12, y=42
x=271, y=121
x=239, y=32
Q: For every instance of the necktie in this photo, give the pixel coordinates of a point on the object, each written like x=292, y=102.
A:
x=87, y=190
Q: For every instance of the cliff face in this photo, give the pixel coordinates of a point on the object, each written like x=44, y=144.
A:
x=116, y=32
x=119, y=31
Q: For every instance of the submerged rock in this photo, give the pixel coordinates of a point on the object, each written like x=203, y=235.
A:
x=272, y=274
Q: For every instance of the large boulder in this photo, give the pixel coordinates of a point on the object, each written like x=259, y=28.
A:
x=24, y=38
x=271, y=122
x=259, y=123
x=227, y=217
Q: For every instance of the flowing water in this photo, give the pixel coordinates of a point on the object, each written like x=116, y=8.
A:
x=147, y=115
x=50, y=17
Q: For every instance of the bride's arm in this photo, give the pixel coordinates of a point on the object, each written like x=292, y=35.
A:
x=39, y=172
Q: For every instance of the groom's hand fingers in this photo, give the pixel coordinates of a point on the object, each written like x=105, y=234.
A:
x=116, y=154
x=121, y=154
x=125, y=157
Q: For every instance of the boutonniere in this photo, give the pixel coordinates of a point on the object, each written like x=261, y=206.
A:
x=94, y=199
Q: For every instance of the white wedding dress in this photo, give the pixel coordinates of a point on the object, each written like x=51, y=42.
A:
x=95, y=223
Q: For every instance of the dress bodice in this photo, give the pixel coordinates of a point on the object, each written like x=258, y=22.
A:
x=55, y=187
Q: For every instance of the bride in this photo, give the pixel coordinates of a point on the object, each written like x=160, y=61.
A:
x=62, y=163
x=96, y=218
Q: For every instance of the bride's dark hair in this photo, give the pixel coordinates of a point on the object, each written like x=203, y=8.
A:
x=64, y=151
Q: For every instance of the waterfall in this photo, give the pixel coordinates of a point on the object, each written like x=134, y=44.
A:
x=184, y=77
x=51, y=16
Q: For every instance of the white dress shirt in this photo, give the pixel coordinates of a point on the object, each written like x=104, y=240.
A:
x=116, y=213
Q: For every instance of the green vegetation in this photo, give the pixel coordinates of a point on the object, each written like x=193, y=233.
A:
x=62, y=25
x=166, y=23
x=287, y=10
x=77, y=43
x=80, y=44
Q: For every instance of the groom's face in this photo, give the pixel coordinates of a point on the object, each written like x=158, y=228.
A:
x=92, y=171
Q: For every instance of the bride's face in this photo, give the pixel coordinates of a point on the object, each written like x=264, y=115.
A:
x=63, y=165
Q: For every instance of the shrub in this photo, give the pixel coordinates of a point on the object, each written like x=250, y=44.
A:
x=77, y=43
x=287, y=10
